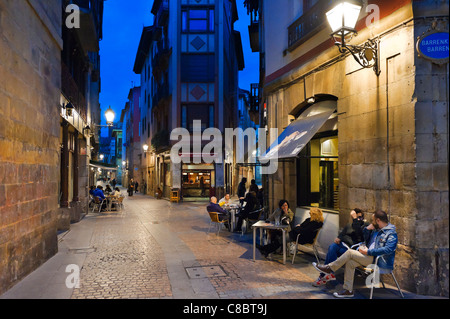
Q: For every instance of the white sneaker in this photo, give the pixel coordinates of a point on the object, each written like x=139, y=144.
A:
x=292, y=248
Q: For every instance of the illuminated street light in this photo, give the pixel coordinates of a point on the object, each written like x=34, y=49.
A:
x=110, y=115
x=342, y=20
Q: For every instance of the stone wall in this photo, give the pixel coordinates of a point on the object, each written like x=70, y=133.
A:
x=431, y=169
x=30, y=45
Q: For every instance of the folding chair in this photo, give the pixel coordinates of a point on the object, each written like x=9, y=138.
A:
x=366, y=271
x=98, y=203
x=118, y=203
x=313, y=245
x=215, y=220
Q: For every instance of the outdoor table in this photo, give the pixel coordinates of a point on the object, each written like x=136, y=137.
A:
x=263, y=225
x=232, y=208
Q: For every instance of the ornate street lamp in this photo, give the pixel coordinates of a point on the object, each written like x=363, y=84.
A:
x=145, y=147
x=110, y=115
x=342, y=20
x=69, y=109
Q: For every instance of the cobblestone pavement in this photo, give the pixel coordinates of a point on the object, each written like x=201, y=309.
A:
x=158, y=249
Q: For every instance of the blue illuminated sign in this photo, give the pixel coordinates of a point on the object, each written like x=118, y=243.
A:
x=434, y=46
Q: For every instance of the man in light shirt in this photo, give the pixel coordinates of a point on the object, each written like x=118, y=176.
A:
x=225, y=200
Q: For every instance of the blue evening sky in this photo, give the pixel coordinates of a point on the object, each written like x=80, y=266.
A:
x=122, y=26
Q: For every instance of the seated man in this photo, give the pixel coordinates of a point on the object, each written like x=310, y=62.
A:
x=381, y=238
x=98, y=192
x=350, y=235
x=213, y=207
x=225, y=200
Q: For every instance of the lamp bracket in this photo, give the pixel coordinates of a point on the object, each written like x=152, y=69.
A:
x=367, y=54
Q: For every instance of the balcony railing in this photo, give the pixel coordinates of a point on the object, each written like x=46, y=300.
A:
x=71, y=91
x=160, y=61
x=311, y=22
x=163, y=13
x=161, y=94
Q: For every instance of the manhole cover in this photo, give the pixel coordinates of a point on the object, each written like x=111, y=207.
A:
x=87, y=250
x=205, y=272
x=218, y=242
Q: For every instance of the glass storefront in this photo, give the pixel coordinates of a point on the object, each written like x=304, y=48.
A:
x=197, y=180
x=318, y=182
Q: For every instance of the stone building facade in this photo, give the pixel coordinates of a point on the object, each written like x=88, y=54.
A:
x=189, y=62
x=390, y=131
x=30, y=81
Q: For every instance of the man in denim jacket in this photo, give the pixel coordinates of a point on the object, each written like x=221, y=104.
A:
x=380, y=238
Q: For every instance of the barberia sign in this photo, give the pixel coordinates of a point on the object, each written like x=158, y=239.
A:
x=433, y=46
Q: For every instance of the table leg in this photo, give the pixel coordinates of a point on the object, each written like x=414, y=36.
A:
x=233, y=219
x=284, y=247
x=254, y=243
x=261, y=236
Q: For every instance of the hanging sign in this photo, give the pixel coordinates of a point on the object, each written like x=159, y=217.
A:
x=433, y=46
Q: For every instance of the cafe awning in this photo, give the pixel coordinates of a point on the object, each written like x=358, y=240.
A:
x=104, y=166
x=295, y=137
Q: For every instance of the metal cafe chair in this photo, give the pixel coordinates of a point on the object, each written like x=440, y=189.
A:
x=118, y=203
x=377, y=271
x=313, y=245
x=98, y=203
x=215, y=220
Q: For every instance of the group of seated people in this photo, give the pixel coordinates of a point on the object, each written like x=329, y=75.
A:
x=248, y=209
x=379, y=238
x=98, y=192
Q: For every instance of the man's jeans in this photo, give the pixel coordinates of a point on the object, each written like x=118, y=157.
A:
x=334, y=252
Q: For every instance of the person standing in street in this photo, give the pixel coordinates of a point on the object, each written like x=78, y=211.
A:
x=130, y=187
x=241, y=190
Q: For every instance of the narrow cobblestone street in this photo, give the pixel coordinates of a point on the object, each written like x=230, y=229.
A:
x=162, y=250
x=158, y=249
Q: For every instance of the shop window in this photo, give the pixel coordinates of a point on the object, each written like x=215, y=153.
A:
x=317, y=167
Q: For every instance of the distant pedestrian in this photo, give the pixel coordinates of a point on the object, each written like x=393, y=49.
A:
x=202, y=186
x=130, y=187
x=136, y=185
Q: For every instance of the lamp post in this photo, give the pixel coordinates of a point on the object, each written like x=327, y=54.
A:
x=145, y=147
x=342, y=20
